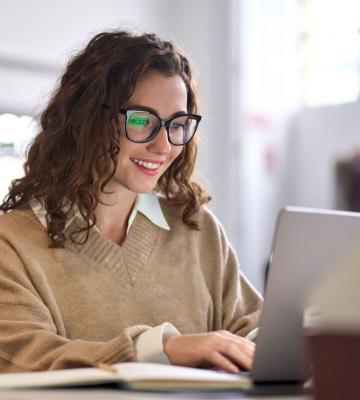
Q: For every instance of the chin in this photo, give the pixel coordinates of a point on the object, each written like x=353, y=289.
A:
x=142, y=189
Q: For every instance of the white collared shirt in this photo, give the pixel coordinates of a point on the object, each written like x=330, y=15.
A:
x=146, y=203
x=148, y=344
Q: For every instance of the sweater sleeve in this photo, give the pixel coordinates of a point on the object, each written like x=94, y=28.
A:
x=241, y=302
x=29, y=340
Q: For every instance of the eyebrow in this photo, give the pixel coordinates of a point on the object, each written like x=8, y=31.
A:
x=152, y=110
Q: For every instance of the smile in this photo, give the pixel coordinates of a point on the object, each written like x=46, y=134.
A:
x=146, y=164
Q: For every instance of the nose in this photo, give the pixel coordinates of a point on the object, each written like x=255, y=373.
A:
x=160, y=144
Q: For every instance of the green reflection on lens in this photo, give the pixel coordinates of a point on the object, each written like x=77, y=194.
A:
x=136, y=121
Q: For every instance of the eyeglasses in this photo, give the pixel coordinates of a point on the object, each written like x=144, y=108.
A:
x=142, y=126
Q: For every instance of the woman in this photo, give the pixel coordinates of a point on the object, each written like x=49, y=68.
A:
x=107, y=251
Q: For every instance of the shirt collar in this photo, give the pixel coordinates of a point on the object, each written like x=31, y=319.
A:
x=146, y=203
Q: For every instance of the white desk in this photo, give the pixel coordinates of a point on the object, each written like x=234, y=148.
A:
x=109, y=394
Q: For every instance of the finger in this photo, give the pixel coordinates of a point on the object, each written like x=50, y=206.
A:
x=247, y=349
x=243, y=344
x=218, y=360
x=242, y=360
x=235, y=337
x=239, y=349
x=238, y=338
x=237, y=355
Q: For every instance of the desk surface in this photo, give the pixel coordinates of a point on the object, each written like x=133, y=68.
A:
x=109, y=394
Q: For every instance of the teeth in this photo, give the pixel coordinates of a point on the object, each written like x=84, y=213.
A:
x=145, y=164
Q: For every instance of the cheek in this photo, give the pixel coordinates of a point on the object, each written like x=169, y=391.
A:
x=122, y=138
x=127, y=148
x=175, y=152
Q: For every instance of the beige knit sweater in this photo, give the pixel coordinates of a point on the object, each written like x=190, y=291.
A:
x=81, y=305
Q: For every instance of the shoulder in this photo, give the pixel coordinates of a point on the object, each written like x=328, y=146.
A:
x=19, y=216
x=20, y=224
x=209, y=224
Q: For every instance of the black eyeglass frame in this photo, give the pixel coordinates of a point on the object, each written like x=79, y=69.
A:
x=163, y=122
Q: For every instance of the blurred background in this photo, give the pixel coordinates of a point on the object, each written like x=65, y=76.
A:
x=279, y=83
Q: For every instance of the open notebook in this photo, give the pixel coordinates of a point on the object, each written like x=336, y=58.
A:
x=131, y=375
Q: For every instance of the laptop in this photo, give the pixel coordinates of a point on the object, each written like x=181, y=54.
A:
x=307, y=244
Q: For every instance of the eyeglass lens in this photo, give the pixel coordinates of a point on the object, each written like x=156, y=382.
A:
x=142, y=125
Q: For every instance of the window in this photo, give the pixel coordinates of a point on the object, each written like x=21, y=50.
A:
x=16, y=132
x=330, y=51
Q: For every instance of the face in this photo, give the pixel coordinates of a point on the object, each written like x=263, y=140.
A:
x=140, y=165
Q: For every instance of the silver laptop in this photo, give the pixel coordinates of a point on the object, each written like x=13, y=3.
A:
x=307, y=243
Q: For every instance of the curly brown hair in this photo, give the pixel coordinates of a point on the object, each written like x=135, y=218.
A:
x=74, y=155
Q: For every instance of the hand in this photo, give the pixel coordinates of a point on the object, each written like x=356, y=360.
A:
x=220, y=349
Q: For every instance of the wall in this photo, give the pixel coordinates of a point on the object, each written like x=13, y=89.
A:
x=39, y=36
x=269, y=99
x=319, y=137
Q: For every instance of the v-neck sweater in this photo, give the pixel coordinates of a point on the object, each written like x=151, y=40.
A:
x=86, y=303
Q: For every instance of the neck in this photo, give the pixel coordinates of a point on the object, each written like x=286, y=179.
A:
x=112, y=214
